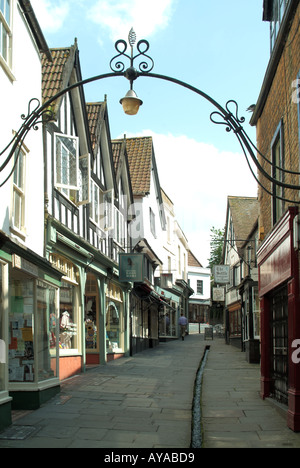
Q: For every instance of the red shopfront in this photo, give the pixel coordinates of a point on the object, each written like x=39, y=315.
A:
x=278, y=265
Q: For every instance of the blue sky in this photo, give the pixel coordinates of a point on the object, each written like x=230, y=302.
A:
x=220, y=47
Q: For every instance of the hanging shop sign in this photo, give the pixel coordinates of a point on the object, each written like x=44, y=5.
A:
x=221, y=274
x=131, y=268
x=218, y=294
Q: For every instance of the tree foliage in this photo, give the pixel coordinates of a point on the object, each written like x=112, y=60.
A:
x=216, y=246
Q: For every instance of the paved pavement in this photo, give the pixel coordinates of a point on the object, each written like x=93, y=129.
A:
x=146, y=401
x=233, y=414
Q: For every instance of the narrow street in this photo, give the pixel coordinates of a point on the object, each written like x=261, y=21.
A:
x=146, y=402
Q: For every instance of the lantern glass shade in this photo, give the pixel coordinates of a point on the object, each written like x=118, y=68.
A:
x=131, y=103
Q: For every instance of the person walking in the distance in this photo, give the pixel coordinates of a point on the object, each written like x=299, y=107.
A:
x=183, y=323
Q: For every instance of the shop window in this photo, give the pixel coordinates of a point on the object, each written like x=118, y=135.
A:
x=168, y=322
x=21, y=345
x=68, y=321
x=235, y=323
x=256, y=313
x=32, y=335
x=114, y=320
x=2, y=331
x=153, y=325
x=6, y=32
x=91, y=315
x=47, y=323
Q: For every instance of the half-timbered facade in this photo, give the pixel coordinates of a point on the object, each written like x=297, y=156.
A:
x=84, y=228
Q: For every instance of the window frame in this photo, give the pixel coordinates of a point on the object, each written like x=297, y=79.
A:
x=277, y=143
x=200, y=287
x=69, y=187
x=6, y=28
x=278, y=9
x=19, y=189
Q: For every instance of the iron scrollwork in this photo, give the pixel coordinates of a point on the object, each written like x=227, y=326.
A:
x=231, y=121
x=145, y=66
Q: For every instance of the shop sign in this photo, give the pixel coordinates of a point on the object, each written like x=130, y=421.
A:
x=22, y=264
x=221, y=274
x=131, y=268
x=218, y=294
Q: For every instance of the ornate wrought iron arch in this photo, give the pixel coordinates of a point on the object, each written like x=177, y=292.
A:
x=38, y=113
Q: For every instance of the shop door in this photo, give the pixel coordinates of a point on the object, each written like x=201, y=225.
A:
x=279, y=345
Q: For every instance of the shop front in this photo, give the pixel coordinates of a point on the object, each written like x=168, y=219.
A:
x=105, y=323
x=5, y=399
x=29, y=293
x=250, y=319
x=69, y=319
x=278, y=264
x=233, y=326
x=115, y=322
x=145, y=307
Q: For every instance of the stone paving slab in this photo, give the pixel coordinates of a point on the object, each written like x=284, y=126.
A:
x=145, y=401
x=234, y=415
x=140, y=402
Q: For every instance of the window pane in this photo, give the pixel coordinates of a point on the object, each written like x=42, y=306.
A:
x=21, y=349
x=66, y=162
x=68, y=338
x=4, y=44
x=7, y=11
x=17, y=210
x=46, y=328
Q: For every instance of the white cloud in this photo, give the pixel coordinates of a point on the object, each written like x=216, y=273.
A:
x=198, y=177
x=119, y=16
x=51, y=18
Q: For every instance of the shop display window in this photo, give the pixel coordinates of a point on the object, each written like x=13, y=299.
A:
x=114, y=320
x=33, y=330
x=21, y=332
x=47, y=331
x=154, y=323
x=2, y=332
x=68, y=321
x=91, y=314
x=167, y=323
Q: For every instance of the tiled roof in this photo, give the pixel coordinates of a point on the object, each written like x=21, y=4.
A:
x=244, y=212
x=192, y=260
x=95, y=115
x=56, y=74
x=139, y=151
x=117, y=152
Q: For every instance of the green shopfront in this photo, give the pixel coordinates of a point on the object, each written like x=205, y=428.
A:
x=29, y=299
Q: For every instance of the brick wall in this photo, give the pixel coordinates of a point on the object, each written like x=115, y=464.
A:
x=279, y=107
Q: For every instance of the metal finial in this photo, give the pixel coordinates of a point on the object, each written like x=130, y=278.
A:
x=132, y=37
